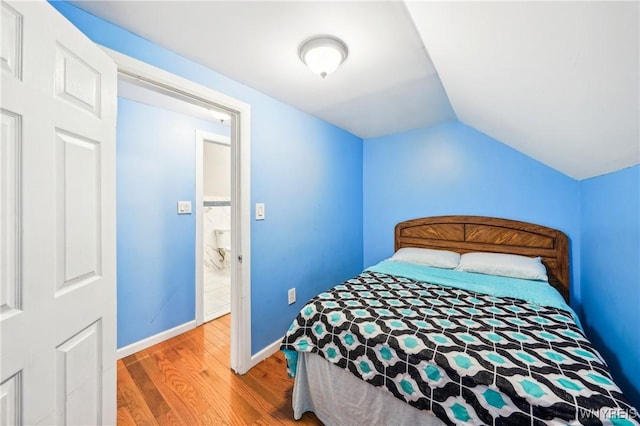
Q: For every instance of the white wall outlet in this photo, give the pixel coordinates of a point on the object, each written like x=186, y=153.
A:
x=184, y=207
x=259, y=211
x=292, y=295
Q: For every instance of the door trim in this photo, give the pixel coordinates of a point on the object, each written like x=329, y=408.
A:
x=240, y=112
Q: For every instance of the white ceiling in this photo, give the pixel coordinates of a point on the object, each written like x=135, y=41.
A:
x=386, y=85
x=555, y=80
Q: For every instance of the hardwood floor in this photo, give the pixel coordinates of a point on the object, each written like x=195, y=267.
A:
x=187, y=381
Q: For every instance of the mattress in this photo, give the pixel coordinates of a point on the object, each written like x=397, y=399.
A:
x=428, y=340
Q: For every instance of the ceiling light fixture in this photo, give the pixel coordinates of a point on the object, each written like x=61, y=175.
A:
x=323, y=54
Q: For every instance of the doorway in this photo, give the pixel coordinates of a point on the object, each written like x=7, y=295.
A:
x=142, y=75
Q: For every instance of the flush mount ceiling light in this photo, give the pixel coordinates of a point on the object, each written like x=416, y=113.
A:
x=323, y=54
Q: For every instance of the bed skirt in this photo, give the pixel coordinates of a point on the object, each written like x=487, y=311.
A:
x=339, y=398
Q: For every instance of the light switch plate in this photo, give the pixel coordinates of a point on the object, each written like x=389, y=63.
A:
x=259, y=211
x=184, y=207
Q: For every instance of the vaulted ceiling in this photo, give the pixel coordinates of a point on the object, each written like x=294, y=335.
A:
x=558, y=81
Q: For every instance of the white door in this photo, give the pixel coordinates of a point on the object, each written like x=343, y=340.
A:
x=57, y=224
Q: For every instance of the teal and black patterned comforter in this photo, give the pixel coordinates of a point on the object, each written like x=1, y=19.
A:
x=465, y=355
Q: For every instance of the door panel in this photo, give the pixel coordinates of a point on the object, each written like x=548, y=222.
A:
x=78, y=207
x=10, y=171
x=79, y=379
x=11, y=37
x=10, y=400
x=76, y=81
x=57, y=228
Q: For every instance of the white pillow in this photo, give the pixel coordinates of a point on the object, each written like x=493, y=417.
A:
x=505, y=265
x=438, y=258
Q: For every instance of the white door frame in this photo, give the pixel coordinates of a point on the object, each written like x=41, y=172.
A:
x=240, y=112
x=203, y=137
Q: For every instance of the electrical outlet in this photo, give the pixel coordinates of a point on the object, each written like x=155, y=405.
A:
x=292, y=296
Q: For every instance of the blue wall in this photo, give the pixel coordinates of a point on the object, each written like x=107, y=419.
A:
x=453, y=169
x=309, y=175
x=611, y=272
x=307, y=172
x=155, y=245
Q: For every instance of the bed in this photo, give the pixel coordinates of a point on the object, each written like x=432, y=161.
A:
x=414, y=343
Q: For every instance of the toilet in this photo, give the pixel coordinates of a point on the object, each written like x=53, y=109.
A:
x=223, y=245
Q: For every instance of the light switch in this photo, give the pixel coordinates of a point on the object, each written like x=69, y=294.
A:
x=259, y=211
x=184, y=207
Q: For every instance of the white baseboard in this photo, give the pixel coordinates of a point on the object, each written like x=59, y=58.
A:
x=265, y=353
x=157, y=338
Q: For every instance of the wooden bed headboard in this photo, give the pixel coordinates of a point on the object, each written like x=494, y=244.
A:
x=465, y=234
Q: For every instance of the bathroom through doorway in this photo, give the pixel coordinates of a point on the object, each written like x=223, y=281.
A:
x=215, y=216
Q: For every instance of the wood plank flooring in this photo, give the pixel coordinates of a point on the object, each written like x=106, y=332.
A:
x=187, y=381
